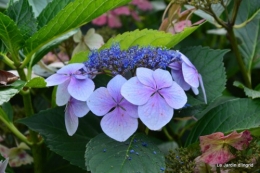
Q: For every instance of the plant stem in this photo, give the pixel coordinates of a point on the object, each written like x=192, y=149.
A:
x=36, y=148
x=13, y=129
x=235, y=12
x=234, y=45
x=7, y=61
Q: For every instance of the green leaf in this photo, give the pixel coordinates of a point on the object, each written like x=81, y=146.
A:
x=9, y=34
x=21, y=12
x=217, y=8
x=7, y=92
x=249, y=36
x=51, y=10
x=7, y=108
x=80, y=57
x=249, y=92
x=149, y=38
x=237, y=114
x=71, y=17
x=137, y=154
x=248, y=10
x=37, y=82
x=38, y=6
x=55, y=164
x=209, y=64
x=51, y=125
x=49, y=46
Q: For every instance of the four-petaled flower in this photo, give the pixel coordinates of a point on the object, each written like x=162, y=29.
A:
x=120, y=120
x=156, y=95
x=187, y=76
x=71, y=81
x=215, y=147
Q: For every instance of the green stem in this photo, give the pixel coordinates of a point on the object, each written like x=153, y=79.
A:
x=235, y=11
x=36, y=148
x=234, y=45
x=7, y=61
x=11, y=127
x=167, y=134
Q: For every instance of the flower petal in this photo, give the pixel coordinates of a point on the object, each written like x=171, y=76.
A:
x=162, y=78
x=100, y=101
x=70, y=68
x=93, y=40
x=3, y=165
x=118, y=125
x=79, y=108
x=175, y=65
x=190, y=75
x=145, y=76
x=130, y=109
x=114, y=87
x=155, y=113
x=240, y=141
x=56, y=79
x=81, y=89
x=218, y=155
x=135, y=92
x=174, y=96
x=186, y=60
x=178, y=78
x=71, y=121
x=62, y=94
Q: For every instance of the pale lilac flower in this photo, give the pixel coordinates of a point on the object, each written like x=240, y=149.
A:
x=3, y=165
x=156, y=95
x=120, y=116
x=187, y=76
x=18, y=155
x=71, y=81
x=74, y=110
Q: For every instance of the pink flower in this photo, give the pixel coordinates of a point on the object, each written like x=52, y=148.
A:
x=215, y=147
x=112, y=18
x=144, y=5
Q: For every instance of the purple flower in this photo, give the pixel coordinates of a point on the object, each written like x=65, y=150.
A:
x=156, y=95
x=73, y=81
x=120, y=120
x=74, y=110
x=187, y=76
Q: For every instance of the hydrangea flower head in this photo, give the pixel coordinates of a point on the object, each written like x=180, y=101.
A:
x=215, y=147
x=74, y=110
x=156, y=95
x=187, y=76
x=120, y=116
x=71, y=81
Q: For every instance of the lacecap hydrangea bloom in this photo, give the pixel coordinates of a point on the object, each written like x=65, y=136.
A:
x=151, y=94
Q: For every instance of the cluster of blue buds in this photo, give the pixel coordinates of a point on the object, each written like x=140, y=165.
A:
x=121, y=61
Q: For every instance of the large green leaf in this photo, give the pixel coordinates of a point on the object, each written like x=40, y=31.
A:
x=72, y=16
x=7, y=92
x=209, y=64
x=49, y=46
x=38, y=6
x=9, y=34
x=21, y=12
x=51, y=125
x=149, y=38
x=238, y=114
x=51, y=10
x=249, y=34
x=137, y=154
